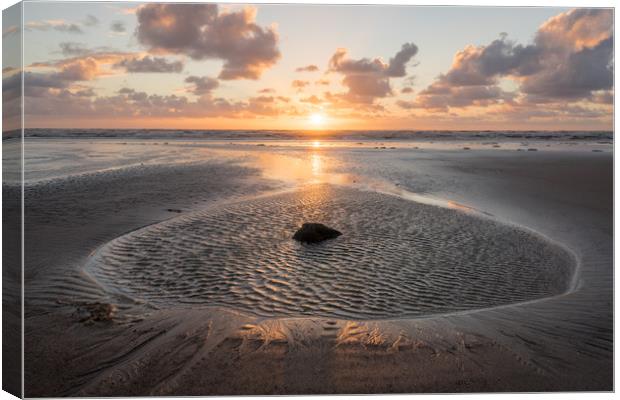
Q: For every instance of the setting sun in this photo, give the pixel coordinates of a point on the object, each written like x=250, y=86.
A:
x=317, y=119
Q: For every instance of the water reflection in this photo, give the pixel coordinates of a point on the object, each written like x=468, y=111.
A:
x=316, y=164
x=299, y=163
x=307, y=167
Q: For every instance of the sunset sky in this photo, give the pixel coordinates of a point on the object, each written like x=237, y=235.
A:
x=132, y=65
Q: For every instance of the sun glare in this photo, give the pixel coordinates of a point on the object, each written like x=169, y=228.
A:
x=317, y=119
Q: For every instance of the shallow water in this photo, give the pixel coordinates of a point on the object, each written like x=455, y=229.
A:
x=59, y=157
x=396, y=258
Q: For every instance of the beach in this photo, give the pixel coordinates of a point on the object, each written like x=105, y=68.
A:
x=166, y=266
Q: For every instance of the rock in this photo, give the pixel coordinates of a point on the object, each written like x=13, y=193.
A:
x=90, y=312
x=314, y=233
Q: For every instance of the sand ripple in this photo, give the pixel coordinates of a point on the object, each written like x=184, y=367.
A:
x=395, y=258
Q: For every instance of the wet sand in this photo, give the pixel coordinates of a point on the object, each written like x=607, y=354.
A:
x=544, y=325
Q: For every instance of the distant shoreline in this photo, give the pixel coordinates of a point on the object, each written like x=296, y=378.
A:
x=308, y=134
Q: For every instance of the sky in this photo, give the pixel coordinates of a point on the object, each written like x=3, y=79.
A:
x=210, y=66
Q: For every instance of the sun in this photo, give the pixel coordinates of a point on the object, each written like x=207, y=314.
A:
x=317, y=119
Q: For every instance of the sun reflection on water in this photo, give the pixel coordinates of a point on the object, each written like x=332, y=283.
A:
x=309, y=166
x=316, y=161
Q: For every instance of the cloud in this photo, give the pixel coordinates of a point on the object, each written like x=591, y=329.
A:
x=407, y=105
x=10, y=70
x=73, y=49
x=552, y=112
x=369, y=79
x=299, y=84
x=11, y=30
x=406, y=90
x=572, y=76
x=311, y=99
x=56, y=25
x=87, y=66
x=60, y=88
x=307, y=68
x=11, y=87
x=576, y=29
x=60, y=25
x=569, y=60
x=11, y=98
x=267, y=90
x=440, y=96
x=128, y=102
x=398, y=64
x=603, y=97
x=201, y=31
x=262, y=105
x=202, y=84
x=41, y=84
x=91, y=20
x=118, y=27
x=128, y=10
x=342, y=102
x=482, y=65
x=52, y=87
x=79, y=69
x=150, y=64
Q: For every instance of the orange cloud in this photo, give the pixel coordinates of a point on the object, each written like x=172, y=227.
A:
x=307, y=68
x=299, y=84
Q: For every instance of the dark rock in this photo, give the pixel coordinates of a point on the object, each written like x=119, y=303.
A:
x=314, y=233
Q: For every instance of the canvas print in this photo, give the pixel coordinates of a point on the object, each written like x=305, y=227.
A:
x=277, y=199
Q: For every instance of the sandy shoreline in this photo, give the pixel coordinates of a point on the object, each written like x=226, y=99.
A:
x=563, y=342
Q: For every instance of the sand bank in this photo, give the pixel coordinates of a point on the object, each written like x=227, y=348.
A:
x=557, y=336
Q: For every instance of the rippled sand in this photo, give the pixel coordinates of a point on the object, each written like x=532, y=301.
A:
x=396, y=258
